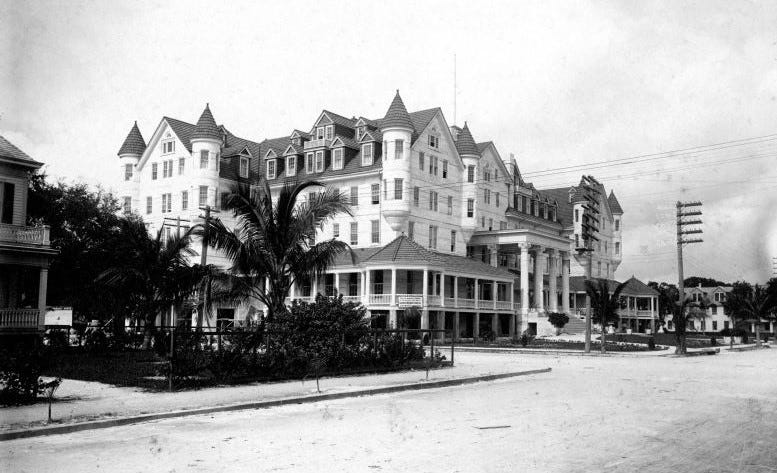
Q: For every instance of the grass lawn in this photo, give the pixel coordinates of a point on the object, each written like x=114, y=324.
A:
x=136, y=368
x=691, y=340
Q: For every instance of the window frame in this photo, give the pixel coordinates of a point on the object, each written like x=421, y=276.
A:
x=354, y=196
x=338, y=154
x=375, y=194
x=399, y=148
x=398, y=188
x=204, y=159
x=367, y=158
x=271, y=165
x=128, y=172
x=185, y=200
x=291, y=165
x=154, y=171
x=241, y=173
x=202, y=199
x=320, y=154
x=354, y=240
x=375, y=231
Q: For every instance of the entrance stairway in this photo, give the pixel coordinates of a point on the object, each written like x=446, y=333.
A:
x=574, y=326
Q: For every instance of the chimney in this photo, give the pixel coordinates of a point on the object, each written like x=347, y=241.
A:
x=455, y=132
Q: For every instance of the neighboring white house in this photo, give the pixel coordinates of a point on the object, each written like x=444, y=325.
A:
x=440, y=221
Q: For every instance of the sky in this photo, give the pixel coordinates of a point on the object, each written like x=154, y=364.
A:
x=557, y=84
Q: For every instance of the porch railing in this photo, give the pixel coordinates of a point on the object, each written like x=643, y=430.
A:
x=25, y=235
x=433, y=300
x=380, y=299
x=19, y=318
x=504, y=305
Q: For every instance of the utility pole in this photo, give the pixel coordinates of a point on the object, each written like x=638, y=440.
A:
x=590, y=227
x=203, y=260
x=774, y=266
x=682, y=223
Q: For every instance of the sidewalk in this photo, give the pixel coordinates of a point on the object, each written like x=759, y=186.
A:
x=80, y=401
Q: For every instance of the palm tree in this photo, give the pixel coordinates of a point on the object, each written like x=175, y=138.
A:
x=273, y=240
x=681, y=314
x=604, y=304
x=153, y=273
x=753, y=306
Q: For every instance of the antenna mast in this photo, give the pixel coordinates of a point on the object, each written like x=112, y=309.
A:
x=454, y=88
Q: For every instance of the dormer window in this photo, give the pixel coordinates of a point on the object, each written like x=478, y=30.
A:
x=291, y=165
x=320, y=133
x=243, y=166
x=168, y=147
x=434, y=141
x=359, y=132
x=271, y=169
x=319, y=161
x=330, y=132
x=297, y=141
x=309, y=163
x=367, y=154
x=337, y=158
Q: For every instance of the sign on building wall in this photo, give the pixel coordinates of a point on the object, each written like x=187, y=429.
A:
x=410, y=301
x=62, y=316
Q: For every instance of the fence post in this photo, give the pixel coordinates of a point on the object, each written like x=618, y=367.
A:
x=453, y=347
x=172, y=355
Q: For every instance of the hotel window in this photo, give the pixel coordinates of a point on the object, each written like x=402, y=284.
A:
x=330, y=132
x=453, y=241
x=577, y=215
x=319, y=161
x=432, y=236
x=421, y=161
x=470, y=208
x=487, y=196
x=599, y=268
x=398, y=189
x=149, y=204
x=375, y=231
x=354, y=233
x=524, y=204
x=375, y=193
x=445, y=169
x=153, y=171
x=243, y=166
x=337, y=158
x=165, y=169
x=168, y=147
x=433, y=200
x=291, y=165
x=170, y=168
x=470, y=173
x=416, y=196
x=166, y=203
x=617, y=248
x=399, y=147
x=617, y=224
x=181, y=165
x=435, y=163
x=270, y=169
x=185, y=200
x=483, y=222
x=367, y=154
x=487, y=176
x=320, y=133
x=336, y=230
x=354, y=195
x=309, y=163
x=411, y=230
x=434, y=141
x=203, y=196
x=496, y=195
x=204, y=159
x=490, y=223
x=127, y=205
x=127, y=172
x=552, y=213
x=450, y=205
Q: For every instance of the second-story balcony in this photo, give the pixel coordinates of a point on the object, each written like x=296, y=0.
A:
x=312, y=144
x=24, y=235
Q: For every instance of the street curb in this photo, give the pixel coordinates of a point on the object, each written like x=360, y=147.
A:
x=534, y=351
x=104, y=424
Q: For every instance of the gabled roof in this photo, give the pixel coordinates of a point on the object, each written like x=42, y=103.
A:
x=336, y=119
x=344, y=141
x=404, y=250
x=421, y=118
x=465, y=144
x=396, y=115
x=182, y=130
x=482, y=146
x=206, y=127
x=372, y=135
x=301, y=134
x=133, y=143
x=634, y=287
x=615, y=206
x=10, y=152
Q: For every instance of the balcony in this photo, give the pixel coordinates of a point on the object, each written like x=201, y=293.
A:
x=23, y=235
x=14, y=319
x=313, y=144
x=380, y=299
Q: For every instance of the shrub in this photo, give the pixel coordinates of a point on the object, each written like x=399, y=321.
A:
x=527, y=337
x=96, y=341
x=726, y=332
x=651, y=343
x=22, y=361
x=558, y=319
x=488, y=336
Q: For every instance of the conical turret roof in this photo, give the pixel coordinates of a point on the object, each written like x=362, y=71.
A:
x=465, y=144
x=206, y=126
x=396, y=115
x=615, y=206
x=134, y=143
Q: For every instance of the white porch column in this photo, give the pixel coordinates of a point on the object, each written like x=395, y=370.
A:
x=524, y=279
x=493, y=293
x=456, y=295
x=552, y=275
x=367, y=289
x=337, y=284
x=393, y=286
x=293, y=291
x=539, y=263
x=652, y=315
x=565, y=282
x=477, y=294
x=425, y=288
x=442, y=289
x=43, y=285
x=493, y=253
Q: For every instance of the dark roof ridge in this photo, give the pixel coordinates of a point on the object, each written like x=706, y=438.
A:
x=133, y=143
x=465, y=144
x=206, y=127
x=396, y=115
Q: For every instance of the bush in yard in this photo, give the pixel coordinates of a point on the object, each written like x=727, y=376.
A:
x=526, y=337
x=558, y=320
x=488, y=336
x=22, y=361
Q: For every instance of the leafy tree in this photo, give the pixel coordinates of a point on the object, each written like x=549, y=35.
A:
x=152, y=272
x=682, y=312
x=752, y=306
x=81, y=221
x=274, y=239
x=558, y=320
x=694, y=281
x=604, y=304
x=667, y=297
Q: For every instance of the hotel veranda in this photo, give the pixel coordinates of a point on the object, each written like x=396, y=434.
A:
x=441, y=221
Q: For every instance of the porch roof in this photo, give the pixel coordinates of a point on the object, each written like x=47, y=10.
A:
x=634, y=287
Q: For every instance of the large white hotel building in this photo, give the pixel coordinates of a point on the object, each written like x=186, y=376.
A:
x=440, y=221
